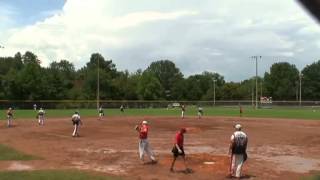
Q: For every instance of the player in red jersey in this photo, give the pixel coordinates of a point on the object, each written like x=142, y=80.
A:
x=178, y=149
x=144, y=146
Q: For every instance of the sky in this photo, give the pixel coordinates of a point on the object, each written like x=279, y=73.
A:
x=197, y=35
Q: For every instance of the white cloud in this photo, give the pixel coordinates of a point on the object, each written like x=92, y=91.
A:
x=198, y=35
x=74, y=34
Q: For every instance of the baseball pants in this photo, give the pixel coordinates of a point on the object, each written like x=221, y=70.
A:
x=75, y=130
x=182, y=114
x=144, y=147
x=41, y=120
x=9, y=121
x=237, y=163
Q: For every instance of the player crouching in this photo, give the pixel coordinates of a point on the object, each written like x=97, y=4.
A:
x=76, y=122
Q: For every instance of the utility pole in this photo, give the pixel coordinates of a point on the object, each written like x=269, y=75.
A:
x=214, y=92
x=98, y=84
x=252, y=92
x=256, y=58
x=261, y=88
x=300, y=78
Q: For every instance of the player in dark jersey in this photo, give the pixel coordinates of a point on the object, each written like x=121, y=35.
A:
x=101, y=113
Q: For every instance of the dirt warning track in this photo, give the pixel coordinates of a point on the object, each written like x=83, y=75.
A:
x=278, y=149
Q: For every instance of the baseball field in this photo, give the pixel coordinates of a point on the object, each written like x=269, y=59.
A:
x=284, y=143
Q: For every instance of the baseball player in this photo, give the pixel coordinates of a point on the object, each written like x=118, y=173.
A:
x=35, y=107
x=122, y=108
x=144, y=146
x=76, y=122
x=241, y=110
x=183, y=110
x=237, y=150
x=41, y=113
x=200, y=112
x=178, y=149
x=9, y=117
x=101, y=113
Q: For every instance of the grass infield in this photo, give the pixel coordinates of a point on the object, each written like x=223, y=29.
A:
x=277, y=112
x=52, y=175
x=7, y=153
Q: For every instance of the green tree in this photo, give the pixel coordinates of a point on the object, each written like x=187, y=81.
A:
x=214, y=83
x=281, y=82
x=169, y=76
x=149, y=87
x=61, y=76
x=311, y=81
x=231, y=91
x=29, y=57
x=107, y=73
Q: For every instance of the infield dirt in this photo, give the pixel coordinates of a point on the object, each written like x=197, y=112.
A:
x=278, y=148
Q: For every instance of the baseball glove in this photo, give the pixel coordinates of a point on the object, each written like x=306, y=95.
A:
x=136, y=127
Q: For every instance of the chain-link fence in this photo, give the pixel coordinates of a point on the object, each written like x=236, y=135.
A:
x=92, y=104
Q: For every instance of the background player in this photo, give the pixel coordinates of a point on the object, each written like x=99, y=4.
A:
x=41, y=117
x=9, y=117
x=240, y=110
x=200, y=112
x=183, y=110
x=101, y=113
x=76, y=122
x=121, y=108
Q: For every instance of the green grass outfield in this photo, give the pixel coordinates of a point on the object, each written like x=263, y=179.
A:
x=52, y=175
x=7, y=153
x=277, y=112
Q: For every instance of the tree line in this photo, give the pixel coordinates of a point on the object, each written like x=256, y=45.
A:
x=22, y=78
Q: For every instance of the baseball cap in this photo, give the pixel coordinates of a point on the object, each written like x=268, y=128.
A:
x=144, y=122
x=238, y=126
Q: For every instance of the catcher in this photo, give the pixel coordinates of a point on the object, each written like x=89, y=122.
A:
x=144, y=146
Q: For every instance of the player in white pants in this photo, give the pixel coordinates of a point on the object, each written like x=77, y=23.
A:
x=200, y=112
x=9, y=117
x=183, y=110
x=144, y=146
x=41, y=117
x=101, y=113
x=238, y=147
